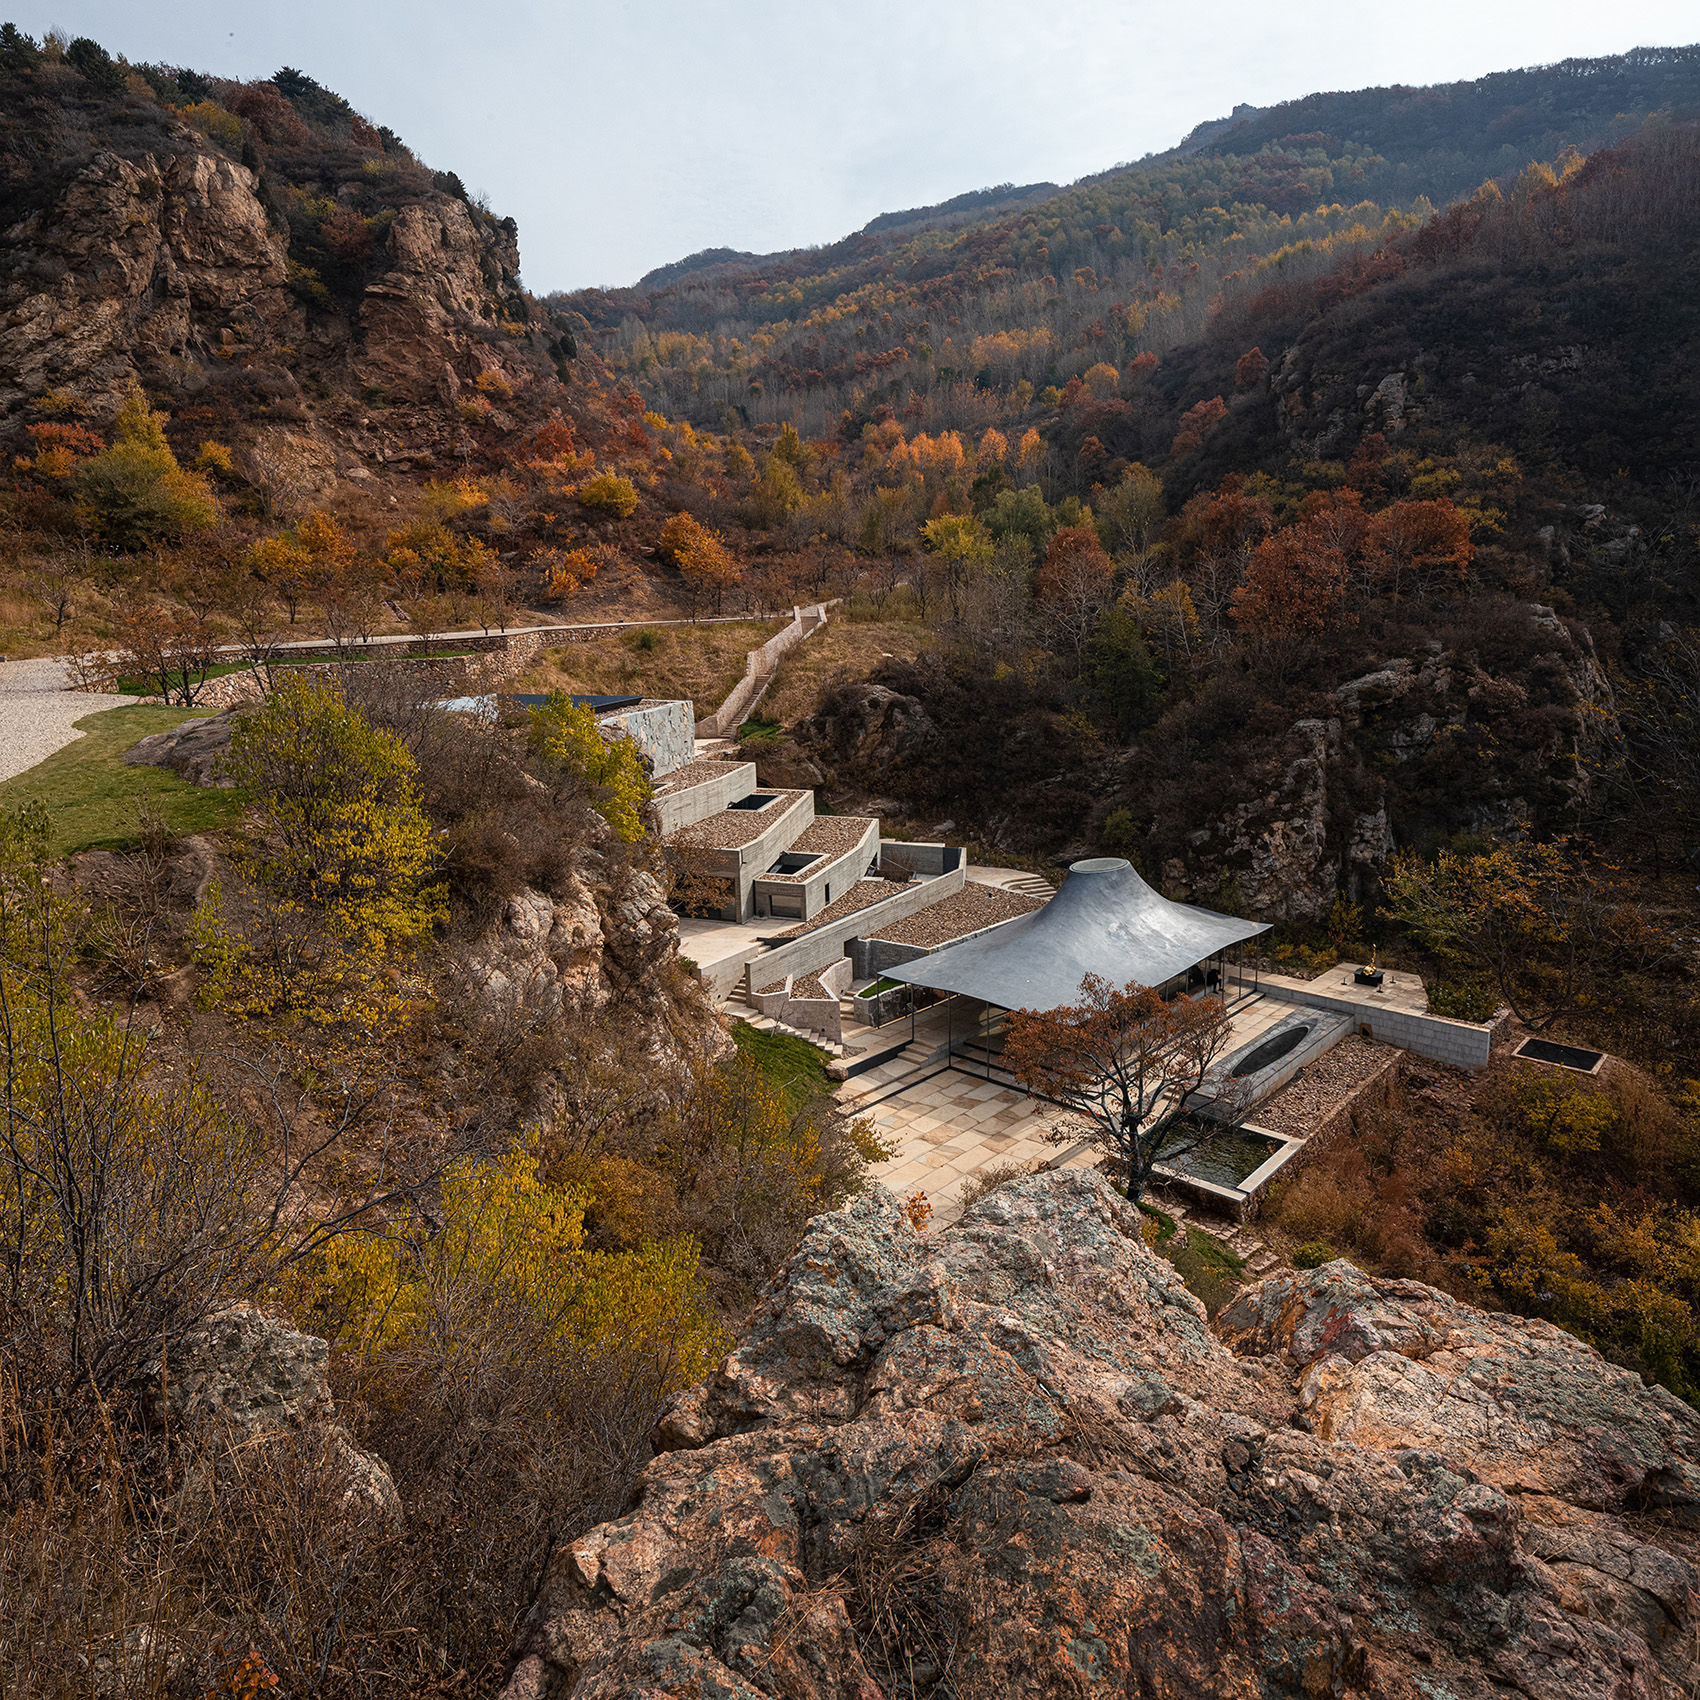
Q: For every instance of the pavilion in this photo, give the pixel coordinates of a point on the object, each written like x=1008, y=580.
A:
x=1104, y=920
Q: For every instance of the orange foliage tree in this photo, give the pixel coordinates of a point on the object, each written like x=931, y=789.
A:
x=1195, y=422
x=1419, y=545
x=1294, y=584
x=704, y=561
x=1127, y=1062
x=1252, y=365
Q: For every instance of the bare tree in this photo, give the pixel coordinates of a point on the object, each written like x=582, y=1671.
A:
x=1126, y=1061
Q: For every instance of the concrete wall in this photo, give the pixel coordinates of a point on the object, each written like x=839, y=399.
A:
x=664, y=732
x=826, y=944
x=814, y=1015
x=1460, y=1043
x=924, y=858
x=872, y=957
x=698, y=802
x=826, y=881
x=758, y=667
x=744, y=863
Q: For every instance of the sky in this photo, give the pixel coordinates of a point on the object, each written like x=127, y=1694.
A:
x=630, y=133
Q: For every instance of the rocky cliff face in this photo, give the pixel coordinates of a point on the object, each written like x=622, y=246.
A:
x=1014, y=1458
x=173, y=267
x=1487, y=734
x=1451, y=740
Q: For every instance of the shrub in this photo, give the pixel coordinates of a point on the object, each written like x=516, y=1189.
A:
x=567, y=734
x=1463, y=1000
x=212, y=120
x=135, y=495
x=348, y=237
x=608, y=494
x=989, y=1179
x=1313, y=1254
x=338, y=866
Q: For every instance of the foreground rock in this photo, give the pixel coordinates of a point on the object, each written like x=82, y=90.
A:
x=242, y=1379
x=1013, y=1458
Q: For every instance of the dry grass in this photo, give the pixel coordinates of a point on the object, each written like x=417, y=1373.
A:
x=28, y=627
x=701, y=663
x=841, y=646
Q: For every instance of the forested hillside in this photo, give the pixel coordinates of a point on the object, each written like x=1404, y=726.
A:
x=954, y=321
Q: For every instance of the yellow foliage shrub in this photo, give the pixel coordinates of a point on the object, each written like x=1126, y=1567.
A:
x=564, y=732
x=511, y=1240
x=211, y=119
x=608, y=494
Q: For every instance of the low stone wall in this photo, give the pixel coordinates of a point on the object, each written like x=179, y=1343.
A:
x=446, y=676
x=1461, y=1043
x=758, y=667
x=1380, y=1091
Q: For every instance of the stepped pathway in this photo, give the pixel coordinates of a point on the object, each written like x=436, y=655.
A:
x=735, y=1007
x=1236, y=1236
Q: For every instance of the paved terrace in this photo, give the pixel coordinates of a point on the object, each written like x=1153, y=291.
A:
x=948, y=1126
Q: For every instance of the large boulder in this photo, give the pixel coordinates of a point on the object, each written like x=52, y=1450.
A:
x=1517, y=1402
x=243, y=1378
x=1014, y=1458
x=193, y=750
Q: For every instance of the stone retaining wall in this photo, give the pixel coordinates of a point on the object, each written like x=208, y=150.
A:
x=758, y=669
x=1461, y=1043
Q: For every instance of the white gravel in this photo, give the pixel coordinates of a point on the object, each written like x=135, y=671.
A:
x=36, y=711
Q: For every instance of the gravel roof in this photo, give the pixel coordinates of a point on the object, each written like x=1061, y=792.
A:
x=859, y=896
x=966, y=911
x=1325, y=1083
x=834, y=832
x=822, y=845
x=732, y=828
x=697, y=772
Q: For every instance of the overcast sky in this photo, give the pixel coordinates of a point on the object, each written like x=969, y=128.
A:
x=627, y=134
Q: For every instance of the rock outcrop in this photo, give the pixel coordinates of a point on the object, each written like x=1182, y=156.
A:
x=243, y=1377
x=1014, y=1458
x=140, y=262
x=193, y=750
x=171, y=264
x=1449, y=742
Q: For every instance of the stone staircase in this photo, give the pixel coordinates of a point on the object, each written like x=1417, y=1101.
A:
x=735, y=1007
x=1031, y=885
x=1236, y=1236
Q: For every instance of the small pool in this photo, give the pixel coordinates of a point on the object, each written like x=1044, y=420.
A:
x=1270, y=1051
x=1225, y=1157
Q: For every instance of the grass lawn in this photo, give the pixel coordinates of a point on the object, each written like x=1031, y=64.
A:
x=1211, y=1271
x=93, y=797
x=793, y=1066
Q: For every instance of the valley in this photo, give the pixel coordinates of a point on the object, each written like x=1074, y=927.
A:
x=957, y=964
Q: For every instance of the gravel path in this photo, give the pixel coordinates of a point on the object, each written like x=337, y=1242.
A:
x=36, y=711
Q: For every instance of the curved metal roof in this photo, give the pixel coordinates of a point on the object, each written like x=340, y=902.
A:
x=1105, y=920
